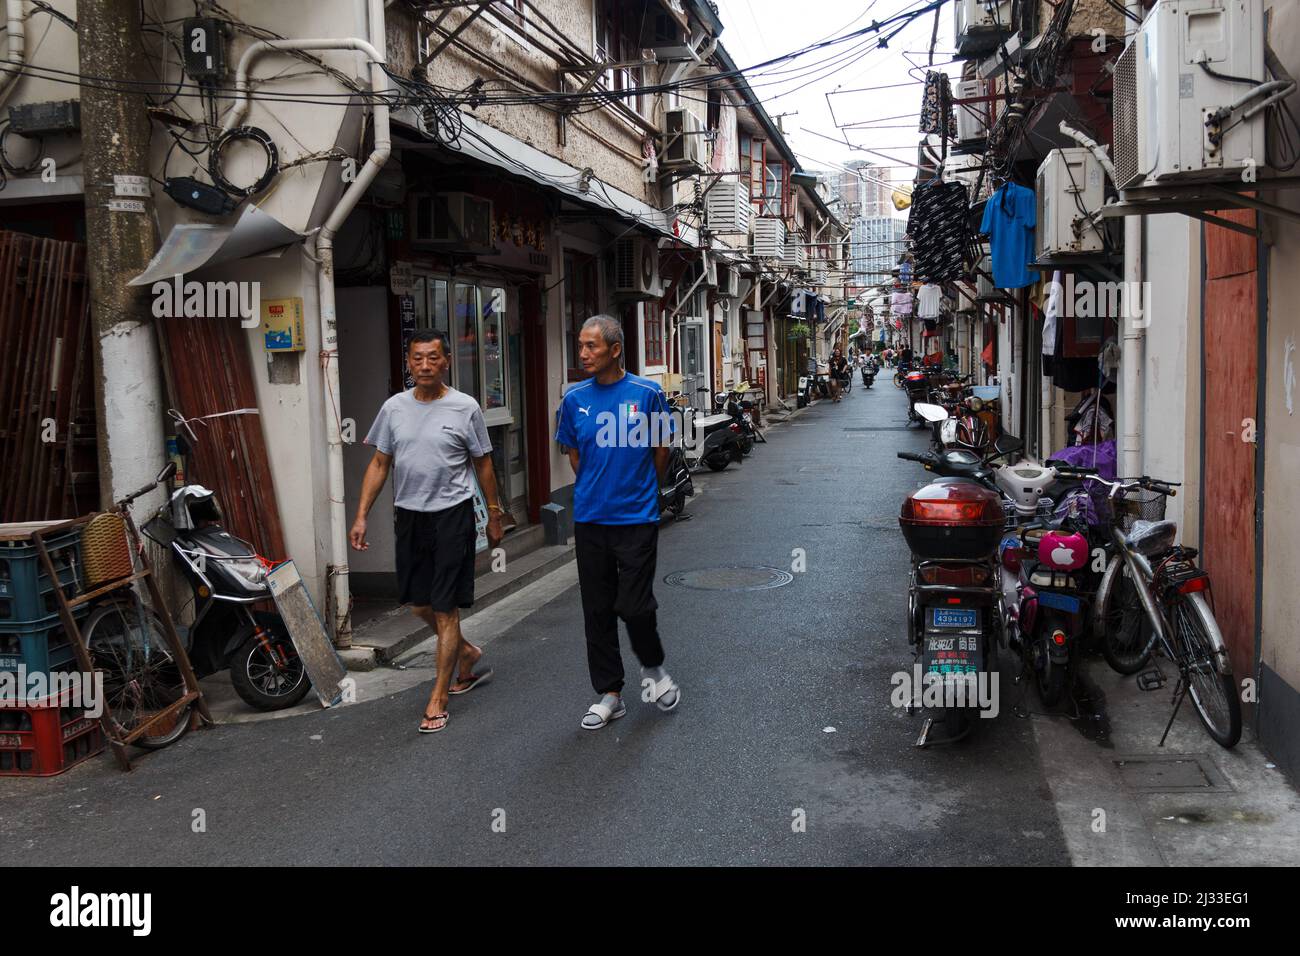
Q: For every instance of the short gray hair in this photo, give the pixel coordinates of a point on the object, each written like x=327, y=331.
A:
x=611, y=329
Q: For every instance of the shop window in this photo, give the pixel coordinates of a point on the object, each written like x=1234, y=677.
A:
x=494, y=353
x=465, y=338
x=581, y=302
x=653, y=334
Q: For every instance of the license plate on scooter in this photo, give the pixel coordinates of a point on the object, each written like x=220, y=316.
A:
x=954, y=619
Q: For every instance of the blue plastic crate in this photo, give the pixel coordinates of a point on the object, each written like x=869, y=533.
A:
x=40, y=645
x=26, y=590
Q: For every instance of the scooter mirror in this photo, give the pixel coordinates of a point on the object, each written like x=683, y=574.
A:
x=719, y=398
x=168, y=470
x=931, y=413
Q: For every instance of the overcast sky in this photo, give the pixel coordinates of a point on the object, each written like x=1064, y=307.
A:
x=758, y=30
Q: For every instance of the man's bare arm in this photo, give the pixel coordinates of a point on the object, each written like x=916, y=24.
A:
x=661, y=460
x=487, y=481
x=573, y=459
x=371, y=484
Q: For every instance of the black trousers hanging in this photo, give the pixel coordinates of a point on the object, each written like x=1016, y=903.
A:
x=616, y=571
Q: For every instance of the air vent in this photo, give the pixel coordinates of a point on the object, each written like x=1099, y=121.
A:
x=1126, y=121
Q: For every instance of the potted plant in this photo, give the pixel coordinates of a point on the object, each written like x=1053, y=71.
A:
x=798, y=331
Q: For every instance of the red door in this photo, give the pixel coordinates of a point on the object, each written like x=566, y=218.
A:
x=1231, y=371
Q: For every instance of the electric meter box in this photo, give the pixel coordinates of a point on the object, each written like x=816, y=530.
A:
x=282, y=325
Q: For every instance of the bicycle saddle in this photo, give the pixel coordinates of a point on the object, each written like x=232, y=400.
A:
x=1152, y=537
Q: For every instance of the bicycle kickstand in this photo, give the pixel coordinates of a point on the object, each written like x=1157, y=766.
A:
x=1180, y=691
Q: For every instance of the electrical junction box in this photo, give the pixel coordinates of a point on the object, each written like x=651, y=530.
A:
x=203, y=44
x=282, y=325
x=1070, y=188
x=40, y=119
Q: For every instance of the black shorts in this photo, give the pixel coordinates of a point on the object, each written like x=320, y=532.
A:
x=435, y=556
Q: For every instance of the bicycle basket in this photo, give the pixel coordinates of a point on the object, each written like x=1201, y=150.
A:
x=1139, y=505
x=106, y=553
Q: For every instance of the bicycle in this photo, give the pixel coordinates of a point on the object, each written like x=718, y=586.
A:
x=1154, y=595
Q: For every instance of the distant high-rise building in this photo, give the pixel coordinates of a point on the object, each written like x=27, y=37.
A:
x=865, y=192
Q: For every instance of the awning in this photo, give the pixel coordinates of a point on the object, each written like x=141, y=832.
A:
x=482, y=143
x=194, y=245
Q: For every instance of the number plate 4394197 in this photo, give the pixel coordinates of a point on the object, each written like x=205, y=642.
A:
x=954, y=618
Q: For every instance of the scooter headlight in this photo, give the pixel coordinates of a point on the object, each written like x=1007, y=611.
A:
x=249, y=572
x=975, y=404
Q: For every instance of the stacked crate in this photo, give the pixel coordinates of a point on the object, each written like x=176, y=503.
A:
x=40, y=737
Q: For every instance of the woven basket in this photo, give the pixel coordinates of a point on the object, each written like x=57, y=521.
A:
x=105, y=551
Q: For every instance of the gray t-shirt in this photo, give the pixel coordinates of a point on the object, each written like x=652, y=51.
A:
x=432, y=444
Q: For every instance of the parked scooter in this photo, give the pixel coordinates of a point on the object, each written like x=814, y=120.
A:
x=676, y=485
x=714, y=440
x=729, y=403
x=228, y=578
x=952, y=527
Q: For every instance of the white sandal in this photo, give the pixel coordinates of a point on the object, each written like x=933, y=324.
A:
x=603, y=714
x=664, y=689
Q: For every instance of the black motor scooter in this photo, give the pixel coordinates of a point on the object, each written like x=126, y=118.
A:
x=868, y=373
x=228, y=579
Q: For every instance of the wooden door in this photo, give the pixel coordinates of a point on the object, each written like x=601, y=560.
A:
x=1231, y=375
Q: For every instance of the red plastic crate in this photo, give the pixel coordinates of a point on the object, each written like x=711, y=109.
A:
x=46, y=737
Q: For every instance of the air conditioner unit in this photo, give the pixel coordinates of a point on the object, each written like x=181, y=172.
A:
x=980, y=24
x=817, y=271
x=984, y=290
x=442, y=220
x=769, y=238
x=684, y=145
x=728, y=283
x=1172, y=121
x=1069, y=188
x=972, y=118
x=710, y=274
x=636, y=269
x=796, y=254
x=728, y=207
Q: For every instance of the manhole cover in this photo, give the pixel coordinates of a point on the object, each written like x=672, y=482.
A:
x=1170, y=773
x=730, y=578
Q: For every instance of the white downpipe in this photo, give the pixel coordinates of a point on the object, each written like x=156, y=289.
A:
x=324, y=256
x=1133, y=344
x=17, y=43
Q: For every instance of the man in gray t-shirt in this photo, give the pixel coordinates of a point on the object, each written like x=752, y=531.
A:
x=431, y=437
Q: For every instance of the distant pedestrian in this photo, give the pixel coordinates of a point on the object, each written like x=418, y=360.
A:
x=615, y=429
x=838, y=372
x=434, y=436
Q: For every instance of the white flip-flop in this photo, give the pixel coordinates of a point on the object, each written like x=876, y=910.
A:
x=603, y=714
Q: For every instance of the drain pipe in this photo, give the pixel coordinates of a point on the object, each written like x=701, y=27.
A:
x=17, y=42
x=1133, y=354
x=324, y=257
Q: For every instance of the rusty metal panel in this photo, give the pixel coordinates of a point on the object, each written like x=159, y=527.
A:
x=210, y=373
x=48, y=448
x=1229, y=253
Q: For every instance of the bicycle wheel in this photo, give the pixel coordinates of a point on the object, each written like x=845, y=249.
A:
x=1126, y=632
x=1196, y=636
x=141, y=676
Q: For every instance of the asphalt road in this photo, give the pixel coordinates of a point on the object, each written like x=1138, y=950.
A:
x=721, y=780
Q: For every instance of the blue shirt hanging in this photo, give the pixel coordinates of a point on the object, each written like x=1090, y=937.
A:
x=1010, y=216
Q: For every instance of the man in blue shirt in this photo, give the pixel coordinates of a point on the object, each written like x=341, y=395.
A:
x=617, y=431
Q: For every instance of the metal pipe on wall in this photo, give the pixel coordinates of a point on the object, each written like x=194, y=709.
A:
x=1133, y=344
